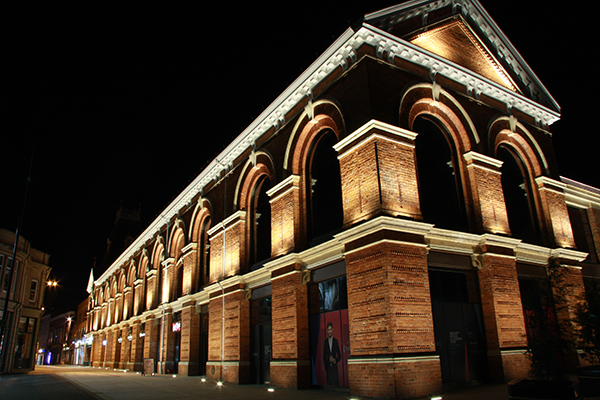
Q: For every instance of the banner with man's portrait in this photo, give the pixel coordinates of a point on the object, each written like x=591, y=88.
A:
x=330, y=340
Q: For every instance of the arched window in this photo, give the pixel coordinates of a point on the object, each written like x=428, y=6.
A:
x=440, y=194
x=518, y=197
x=204, y=254
x=323, y=188
x=177, y=244
x=260, y=218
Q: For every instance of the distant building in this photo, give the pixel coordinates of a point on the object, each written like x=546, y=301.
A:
x=25, y=300
x=372, y=229
x=81, y=342
x=56, y=340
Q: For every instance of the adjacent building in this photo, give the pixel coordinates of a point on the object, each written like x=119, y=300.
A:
x=373, y=228
x=23, y=288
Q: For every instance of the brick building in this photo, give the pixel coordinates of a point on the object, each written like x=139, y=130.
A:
x=395, y=197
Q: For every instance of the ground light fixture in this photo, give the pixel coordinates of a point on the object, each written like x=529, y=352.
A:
x=271, y=389
x=436, y=398
x=219, y=383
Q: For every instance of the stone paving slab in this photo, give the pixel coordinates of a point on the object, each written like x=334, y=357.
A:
x=71, y=382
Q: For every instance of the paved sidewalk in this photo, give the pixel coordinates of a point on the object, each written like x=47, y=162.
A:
x=63, y=382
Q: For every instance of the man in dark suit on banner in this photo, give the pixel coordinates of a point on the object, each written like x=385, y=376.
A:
x=331, y=357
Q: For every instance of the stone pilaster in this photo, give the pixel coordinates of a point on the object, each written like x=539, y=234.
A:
x=189, y=363
x=125, y=347
x=488, y=196
x=137, y=349
x=502, y=308
x=226, y=260
x=166, y=364
x=229, y=334
x=285, y=216
x=555, y=214
x=152, y=338
x=378, y=171
x=190, y=268
x=389, y=310
x=290, y=365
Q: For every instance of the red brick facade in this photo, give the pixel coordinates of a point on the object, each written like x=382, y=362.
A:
x=397, y=271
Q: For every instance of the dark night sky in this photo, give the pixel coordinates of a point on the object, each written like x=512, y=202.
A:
x=128, y=105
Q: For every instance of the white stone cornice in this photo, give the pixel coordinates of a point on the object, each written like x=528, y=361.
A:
x=283, y=187
x=473, y=156
x=580, y=195
x=358, y=138
x=377, y=224
x=569, y=255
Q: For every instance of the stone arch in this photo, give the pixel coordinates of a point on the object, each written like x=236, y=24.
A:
x=132, y=274
x=433, y=104
x=202, y=211
x=139, y=302
x=430, y=99
x=521, y=141
x=507, y=134
x=153, y=276
x=144, y=264
x=176, y=245
x=314, y=128
x=158, y=255
x=114, y=286
x=201, y=222
x=258, y=176
x=316, y=116
x=178, y=238
x=260, y=163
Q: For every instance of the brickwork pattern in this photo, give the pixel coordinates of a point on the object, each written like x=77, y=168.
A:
x=152, y=290
x=379, y=177
x=556, y=217
x=502, y=311
x=290, y=330
x=137, y=349
x=488, y=199
x=190, y=270
x=571, y=292
x=285, y=226
x=125, y=347
x=234, y=250
x=151, y=340
x=235, y=322
x=190, y=344
x=389, y=301
x=168, y=343
x=594, y=219
x=501, y=302
x=396, y=379
x=515, y=366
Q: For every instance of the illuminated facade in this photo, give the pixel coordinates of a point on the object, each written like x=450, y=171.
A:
x=370, y=230
x=25, y=301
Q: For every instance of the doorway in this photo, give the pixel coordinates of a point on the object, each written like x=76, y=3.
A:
x=260, y=340
x=458, y=326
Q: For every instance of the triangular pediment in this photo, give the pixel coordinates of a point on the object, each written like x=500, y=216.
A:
x=462, y=32
x=455, y=41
